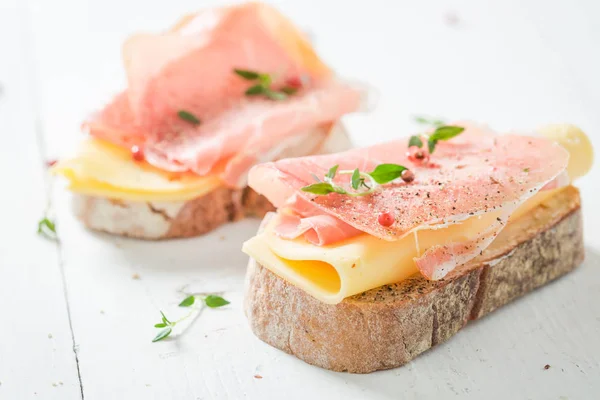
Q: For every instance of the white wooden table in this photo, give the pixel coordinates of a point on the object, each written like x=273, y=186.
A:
x=75, y=322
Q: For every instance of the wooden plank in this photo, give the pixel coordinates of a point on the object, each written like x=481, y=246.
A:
x=487, y=72
x=37, y=357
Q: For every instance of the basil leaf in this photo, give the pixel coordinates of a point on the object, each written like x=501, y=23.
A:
x=189, y=117
x=322, y=188
x=415, y=141
x=289, y=90
x=164, y=318
x=274, y=95
x=255, y=90
x=213, y=301
x=161, y=325
x=188, y=301
x=332, y=171
x=384, y=173
x=162, y=334
x=446, y=132
x=356, y=179
x=248, y=75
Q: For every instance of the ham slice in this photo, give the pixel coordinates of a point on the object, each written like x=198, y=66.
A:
x=475, y=173
x=191, y=68
x=301, y=218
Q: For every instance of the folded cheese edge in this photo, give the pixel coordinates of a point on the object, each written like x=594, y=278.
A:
x=334, y=272
x=102, y=169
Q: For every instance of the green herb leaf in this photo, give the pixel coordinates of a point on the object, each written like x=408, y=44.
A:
x=356, y=179
x=188, y=301
x=289, y=90
x=189, y=117
x=428, y=121
x=164, y=318
x=445, y=132
x=525, y=169
x=45, y=223
x=431, y=145
x=47, y=228
x=265, y=80
x=332, y=171
x=214, y=301
x=415, y=141
x=278, y=96
x=385, y=173
x=162, y=334
x=322, y=188
x=161, y=325
x=255, y=90
x=248, y=75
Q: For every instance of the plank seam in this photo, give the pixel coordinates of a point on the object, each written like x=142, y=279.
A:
x=28, y=41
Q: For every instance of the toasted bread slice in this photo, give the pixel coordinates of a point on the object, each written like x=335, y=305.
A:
x=178, y=219
x=388, y=326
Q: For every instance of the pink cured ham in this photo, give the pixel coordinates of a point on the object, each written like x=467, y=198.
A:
x=475, y=173
x=300, y=217
x=190, y=67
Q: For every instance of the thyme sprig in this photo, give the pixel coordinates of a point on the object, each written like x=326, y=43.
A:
x=166, y=325
x=367, y=181
x=443, y=132
x=262, y=86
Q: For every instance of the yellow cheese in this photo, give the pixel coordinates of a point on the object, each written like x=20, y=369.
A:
x=331, y=273
x=576, y=142
x=334, y=272
x=102, y=169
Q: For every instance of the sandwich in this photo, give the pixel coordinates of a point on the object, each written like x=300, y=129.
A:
x=219, y=92
x=377, y=254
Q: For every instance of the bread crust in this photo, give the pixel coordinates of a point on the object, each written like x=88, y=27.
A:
x=388, y=326
x=181, y=219
x=168, y=220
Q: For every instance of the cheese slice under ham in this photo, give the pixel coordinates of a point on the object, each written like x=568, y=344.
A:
x=190, y=67
x=475, y=173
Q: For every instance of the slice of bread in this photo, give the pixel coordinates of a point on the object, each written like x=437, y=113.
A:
x=388, y=326
x=179, y=219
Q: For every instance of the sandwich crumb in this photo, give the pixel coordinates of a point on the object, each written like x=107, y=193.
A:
x=258, y=376
x=547, y=366
x=135, y=276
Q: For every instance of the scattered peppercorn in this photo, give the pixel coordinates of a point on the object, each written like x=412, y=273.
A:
x=385, y=219
x=407, y=176
x=137, y=153
x=295, y=82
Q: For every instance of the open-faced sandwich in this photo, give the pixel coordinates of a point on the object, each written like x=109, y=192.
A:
x=376, y=255
x=220, y=91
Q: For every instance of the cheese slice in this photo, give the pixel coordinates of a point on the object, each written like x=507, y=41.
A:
x=332, y=273
x=105, y=170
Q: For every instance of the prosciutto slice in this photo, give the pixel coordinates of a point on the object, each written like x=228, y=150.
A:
x=475, y=173
x=191, y=68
